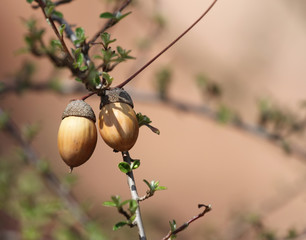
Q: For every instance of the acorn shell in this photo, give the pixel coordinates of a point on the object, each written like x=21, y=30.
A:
x=118, y=125
x=77, y=135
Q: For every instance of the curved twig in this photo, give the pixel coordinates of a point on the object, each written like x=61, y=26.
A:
x=186, y=224
x=166, y=48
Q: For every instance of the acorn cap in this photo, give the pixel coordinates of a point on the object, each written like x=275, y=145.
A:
x=115, y=95
x=79, y=108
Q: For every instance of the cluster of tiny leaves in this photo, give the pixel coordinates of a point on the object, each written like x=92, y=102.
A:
x=126, y=168
x=172, y=228
x=50, y=9
x=109, y=56
x=131, y=214
x=163, y=80
x=87, y=71
x=114, y=17
x=153, y=187
x=144, y=120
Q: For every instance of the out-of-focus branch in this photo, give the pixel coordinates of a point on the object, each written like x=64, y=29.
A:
x=206, y=111
x=50, y=178
x=200, y=109
x=43, y=86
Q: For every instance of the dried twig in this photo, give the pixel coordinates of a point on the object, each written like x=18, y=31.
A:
x=186, y=224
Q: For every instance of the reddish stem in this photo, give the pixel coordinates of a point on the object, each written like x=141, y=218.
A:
x=166, y=48
x=87, y=96
x=186, y=224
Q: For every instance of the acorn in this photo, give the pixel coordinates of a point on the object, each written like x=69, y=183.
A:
x=77, y=134
x=118, y=124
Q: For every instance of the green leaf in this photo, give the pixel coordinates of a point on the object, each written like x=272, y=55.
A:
x=20, y=51
x=62, y=29
x=49, y=10
x=133, y=206
x=97, y=57
x=172, y=225
x=43, y=166
x=224, y=114
x=80, y=59
x=107, y=15
x=93, y=230
x=123, y=54
x=124, y=202
x=70, y=180
x=161, y=188
x=55, y=43
x=116, y=199
x=30, y=131
x=2, y=86
x=58, y=14
x=4, y=119
x=78, y=79
x=83, y=68
x=76, y=52
x=108, y=78
x=93, y=75
x=163, y=81
x=119, y=225
x=108, y=55
x=143, y=119
x=292, y=234
x=109, y=204
x=132, y=218
x=80, y=33
x=55, y=85
x=149, y=185
x=135, y=164
x=78, y=42
x=105, y=37
x=120, y=17
x=30, y=1
x=124, y=167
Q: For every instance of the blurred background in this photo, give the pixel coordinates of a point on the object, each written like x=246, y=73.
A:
x=228, y=99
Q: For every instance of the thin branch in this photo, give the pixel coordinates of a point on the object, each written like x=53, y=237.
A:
x=110, y=22
x=39, y=87
x=148, y=195
x=166, y=48
x=186, y=224
x=50, y=19
x=134, y=194
x=69, y=32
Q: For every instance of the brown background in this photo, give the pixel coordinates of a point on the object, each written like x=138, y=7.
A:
x=252, y=48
